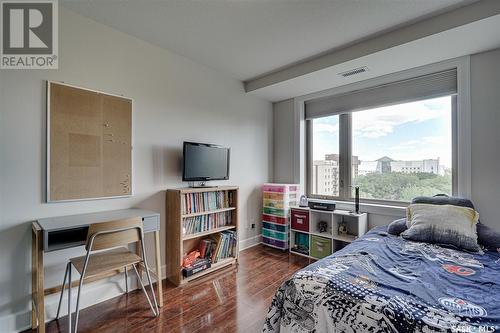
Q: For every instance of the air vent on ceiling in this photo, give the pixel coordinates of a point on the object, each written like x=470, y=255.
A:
x=354, y=71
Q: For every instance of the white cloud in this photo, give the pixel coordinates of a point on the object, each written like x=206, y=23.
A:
x=380, y=122
x=329, y=128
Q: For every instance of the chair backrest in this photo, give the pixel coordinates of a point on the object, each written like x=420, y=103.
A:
x=113, y=233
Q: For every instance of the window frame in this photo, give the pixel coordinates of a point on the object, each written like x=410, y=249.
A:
x=345, y=158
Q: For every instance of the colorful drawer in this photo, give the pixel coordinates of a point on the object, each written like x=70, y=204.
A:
x=274, y=211
x=277, y=199
x=300, y=219
x=274, y=234
x=274, y=243
x=274, y=203
x=320, y=247
x=292, y=196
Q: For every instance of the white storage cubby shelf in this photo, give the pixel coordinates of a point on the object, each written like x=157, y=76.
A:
x=307, y=238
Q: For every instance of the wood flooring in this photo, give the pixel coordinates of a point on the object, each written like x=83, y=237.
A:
x=233, y=300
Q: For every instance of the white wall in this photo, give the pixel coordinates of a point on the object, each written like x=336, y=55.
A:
x=175, y=99
x=485, y=123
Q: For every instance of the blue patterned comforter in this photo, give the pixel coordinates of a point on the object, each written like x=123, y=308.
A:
x=383, y=283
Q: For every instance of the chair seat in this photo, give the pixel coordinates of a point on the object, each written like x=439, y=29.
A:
x=106, y=261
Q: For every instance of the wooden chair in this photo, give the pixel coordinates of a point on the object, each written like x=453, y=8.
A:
x=109, y=239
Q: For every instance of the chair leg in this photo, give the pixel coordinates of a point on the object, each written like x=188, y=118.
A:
x=78, y=300
x=69, y=298
x=62, y=291
x=144, y=259
x=126, y=280
x=151, y=286
x=144, y=290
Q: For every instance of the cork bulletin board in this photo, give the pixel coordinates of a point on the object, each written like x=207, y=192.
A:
x=89, y=144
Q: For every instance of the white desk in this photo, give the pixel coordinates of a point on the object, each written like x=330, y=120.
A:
x=57, y=233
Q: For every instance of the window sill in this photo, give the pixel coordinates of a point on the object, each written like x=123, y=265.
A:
x=372, y=208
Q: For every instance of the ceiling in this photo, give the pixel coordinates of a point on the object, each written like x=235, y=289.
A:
x=249, y=38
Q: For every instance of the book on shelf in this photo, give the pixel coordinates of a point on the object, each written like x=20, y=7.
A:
x=219, y=246
x=202, y=223
x=205, y=201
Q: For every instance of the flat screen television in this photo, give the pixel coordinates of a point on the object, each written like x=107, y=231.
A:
x=203, y=162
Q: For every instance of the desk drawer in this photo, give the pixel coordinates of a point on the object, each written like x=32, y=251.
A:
x=151, y=223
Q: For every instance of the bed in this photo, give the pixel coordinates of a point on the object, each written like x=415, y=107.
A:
x=383, y=283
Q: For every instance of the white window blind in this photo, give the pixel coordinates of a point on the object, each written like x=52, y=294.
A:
x=422, y=87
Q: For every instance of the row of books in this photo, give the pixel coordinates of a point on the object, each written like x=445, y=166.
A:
x=205, y=201
x=220, y=246
x=195, y=224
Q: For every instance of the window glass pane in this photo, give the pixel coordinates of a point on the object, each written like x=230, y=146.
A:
x=325, y=152
x=403, y=151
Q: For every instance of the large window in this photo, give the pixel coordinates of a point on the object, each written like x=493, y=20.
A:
x=395, y=152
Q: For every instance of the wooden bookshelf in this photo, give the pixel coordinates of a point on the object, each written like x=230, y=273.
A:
x=179, y=244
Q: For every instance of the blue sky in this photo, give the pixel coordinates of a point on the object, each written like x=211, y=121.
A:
x=410, y=131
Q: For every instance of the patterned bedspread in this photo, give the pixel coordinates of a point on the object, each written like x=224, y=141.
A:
x=383, y=283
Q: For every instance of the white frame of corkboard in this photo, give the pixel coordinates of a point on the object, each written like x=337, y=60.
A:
x=47, y=146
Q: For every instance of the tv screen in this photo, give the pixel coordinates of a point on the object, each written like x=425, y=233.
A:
x=202, y=162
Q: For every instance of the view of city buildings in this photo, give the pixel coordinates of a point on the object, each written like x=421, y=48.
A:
x=325, y=173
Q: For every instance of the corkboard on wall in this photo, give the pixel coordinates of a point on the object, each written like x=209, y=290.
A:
x=89, y=144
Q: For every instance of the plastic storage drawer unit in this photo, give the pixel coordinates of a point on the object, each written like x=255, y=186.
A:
x=277, y=199
x=320, y=247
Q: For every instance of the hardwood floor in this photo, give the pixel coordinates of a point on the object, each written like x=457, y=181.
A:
x=234, y=300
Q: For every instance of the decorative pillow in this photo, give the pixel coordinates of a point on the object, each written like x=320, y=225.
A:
x=396, y=227
x=442, y=224
x=488, y=237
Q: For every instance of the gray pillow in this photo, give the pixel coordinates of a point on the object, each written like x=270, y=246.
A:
x=488, y=237
x=442, y=224
x=443, y=199
x=396, y=227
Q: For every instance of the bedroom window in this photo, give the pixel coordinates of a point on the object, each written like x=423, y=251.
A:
x=404, y=150
x=395, y=142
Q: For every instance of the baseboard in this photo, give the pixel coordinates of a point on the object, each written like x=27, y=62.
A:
x=15, y=322
x=250, y=242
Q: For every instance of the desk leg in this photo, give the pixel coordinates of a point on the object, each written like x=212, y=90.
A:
x=37, y=279
x=158, y=269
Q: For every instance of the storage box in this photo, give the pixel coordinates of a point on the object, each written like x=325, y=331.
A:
x=300, y=219
x=320, y=247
